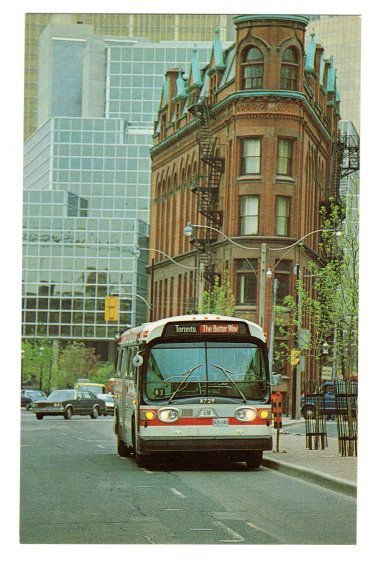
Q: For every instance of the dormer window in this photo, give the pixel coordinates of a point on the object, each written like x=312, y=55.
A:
x=289, y=69
x=253, y=68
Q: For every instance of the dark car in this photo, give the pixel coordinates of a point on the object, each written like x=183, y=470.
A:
x=29, y=396
x=323, y=401
x=67, y=403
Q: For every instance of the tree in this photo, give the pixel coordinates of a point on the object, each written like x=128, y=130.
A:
x=219, y=300
x=331, y=304
x=75, y=361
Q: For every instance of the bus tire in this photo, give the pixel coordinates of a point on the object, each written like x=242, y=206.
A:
x=39, y=416
x=122, y=448
x=254, y=459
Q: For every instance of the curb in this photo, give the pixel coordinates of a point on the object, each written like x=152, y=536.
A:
x=324, y=480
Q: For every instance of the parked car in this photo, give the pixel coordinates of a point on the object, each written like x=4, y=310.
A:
x=109, y=403
x=323, y=401
x=29, y=396
x=69, y=402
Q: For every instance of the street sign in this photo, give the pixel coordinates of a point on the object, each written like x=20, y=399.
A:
x=295, y=356
x=326, y=373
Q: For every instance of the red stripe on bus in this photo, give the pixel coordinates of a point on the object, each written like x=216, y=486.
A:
x=202, y=422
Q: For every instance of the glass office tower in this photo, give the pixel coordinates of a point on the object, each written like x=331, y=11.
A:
x=87, y=181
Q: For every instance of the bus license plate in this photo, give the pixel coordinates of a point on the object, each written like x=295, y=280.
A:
x=220, y=422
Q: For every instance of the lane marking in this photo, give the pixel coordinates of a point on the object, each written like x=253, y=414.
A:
x=100, y=446
x=179, y=494
x=235, y=536
x=149, y=540
x=201, y=529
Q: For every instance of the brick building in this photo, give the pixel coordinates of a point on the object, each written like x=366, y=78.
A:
x=244, y=150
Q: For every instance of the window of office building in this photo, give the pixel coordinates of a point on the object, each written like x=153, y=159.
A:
x=283, y=209
x=249, y=215
x=253, y=68
x=289, y=69
x=246, y=282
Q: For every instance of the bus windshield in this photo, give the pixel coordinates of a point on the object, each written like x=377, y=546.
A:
x=225, y=369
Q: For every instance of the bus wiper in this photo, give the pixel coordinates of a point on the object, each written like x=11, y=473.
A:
x=187, y=375
x=227, y=373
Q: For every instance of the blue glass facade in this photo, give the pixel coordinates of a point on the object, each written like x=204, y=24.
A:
x=87, y=187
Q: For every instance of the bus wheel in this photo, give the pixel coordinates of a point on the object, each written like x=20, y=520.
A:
x=254, y=460
x=39, y=416
x=122, y=448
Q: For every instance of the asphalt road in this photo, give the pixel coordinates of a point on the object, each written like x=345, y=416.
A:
x=74, y=488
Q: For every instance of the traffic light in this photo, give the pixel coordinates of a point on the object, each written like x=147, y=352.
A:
x=295, y=356
x=111, y=308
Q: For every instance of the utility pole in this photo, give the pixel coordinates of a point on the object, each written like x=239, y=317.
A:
x=296, y=373
x=272, y=337
x=263, y=258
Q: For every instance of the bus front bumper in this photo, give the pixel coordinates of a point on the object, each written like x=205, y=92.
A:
x=198, y=444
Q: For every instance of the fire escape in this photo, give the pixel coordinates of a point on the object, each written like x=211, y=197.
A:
x=345, y=161
x=206, y=188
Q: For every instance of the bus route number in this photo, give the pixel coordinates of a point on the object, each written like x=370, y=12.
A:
x=207, y=400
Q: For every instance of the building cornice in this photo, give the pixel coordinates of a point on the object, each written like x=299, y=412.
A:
x=240, y=95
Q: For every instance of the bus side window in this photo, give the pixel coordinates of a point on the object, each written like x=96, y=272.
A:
x=118, y=373
x=125, y=363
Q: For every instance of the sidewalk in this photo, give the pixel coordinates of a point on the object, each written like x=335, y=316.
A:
x=324, y=467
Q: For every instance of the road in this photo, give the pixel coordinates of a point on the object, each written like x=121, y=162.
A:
x=75, y=489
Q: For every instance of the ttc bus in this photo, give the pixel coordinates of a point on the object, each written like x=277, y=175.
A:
x=196, y=383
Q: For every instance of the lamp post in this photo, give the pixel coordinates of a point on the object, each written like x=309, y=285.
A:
x=41, y=350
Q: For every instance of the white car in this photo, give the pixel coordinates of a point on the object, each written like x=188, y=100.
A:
x=109, y=403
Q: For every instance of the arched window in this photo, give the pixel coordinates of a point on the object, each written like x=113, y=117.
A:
x=253, y=68
x=289, y=69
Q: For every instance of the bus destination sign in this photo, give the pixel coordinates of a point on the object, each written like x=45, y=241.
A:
x=206, y=328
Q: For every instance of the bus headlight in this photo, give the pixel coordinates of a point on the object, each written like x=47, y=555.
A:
x=168, y=414
x=265, y=414
x=246, y=414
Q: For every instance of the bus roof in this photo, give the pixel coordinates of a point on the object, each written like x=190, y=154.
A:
x=150, y=330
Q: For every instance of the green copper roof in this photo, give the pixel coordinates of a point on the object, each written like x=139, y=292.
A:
x=165, y=92
x=290, y=17
x=310, y=55
x=322, y=69
x=195, y=70
x=180, y=86
x=218, y=51
x=331, y=77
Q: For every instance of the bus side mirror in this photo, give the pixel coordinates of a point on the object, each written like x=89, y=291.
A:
x=276, y=379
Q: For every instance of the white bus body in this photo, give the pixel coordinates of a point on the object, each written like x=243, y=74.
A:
x=196, y=383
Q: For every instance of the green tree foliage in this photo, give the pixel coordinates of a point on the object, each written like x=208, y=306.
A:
x=49, y=367
x=76, y=361
x=219, y=300
x=332, y=303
